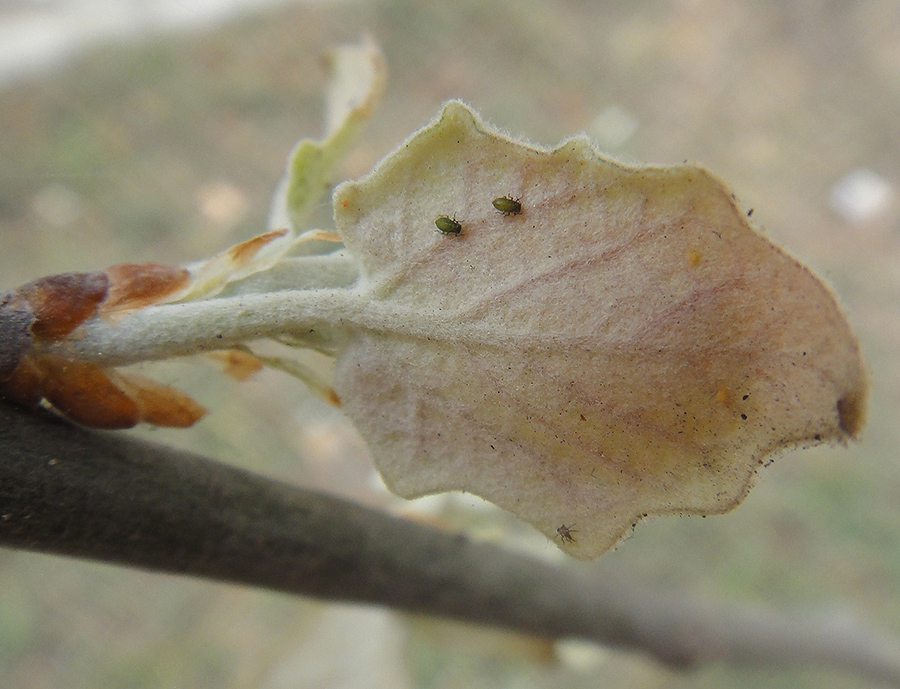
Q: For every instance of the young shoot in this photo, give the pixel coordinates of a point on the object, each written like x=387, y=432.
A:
x=636, y=347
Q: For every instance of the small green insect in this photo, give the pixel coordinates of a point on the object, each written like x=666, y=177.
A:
x=448, y=225
x=507, y=205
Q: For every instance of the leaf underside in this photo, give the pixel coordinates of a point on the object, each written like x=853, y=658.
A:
x=625, y=345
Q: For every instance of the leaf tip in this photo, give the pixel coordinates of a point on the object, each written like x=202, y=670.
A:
x=851, y=410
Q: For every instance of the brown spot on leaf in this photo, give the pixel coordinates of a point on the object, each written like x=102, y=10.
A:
x=852, y=412
x=237, y=363
x=136, y=285
x=60, y=303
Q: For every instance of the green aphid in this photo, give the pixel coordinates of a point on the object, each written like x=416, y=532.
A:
x=507, y=205
x=448, y=225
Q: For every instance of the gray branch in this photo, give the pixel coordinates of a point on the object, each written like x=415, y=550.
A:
x=112, y=498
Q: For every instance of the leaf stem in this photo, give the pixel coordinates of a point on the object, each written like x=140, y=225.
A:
x=160, y=332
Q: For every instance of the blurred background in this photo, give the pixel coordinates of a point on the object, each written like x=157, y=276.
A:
x=157, y=131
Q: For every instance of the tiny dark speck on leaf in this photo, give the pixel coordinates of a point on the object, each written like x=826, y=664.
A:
x=744, y=417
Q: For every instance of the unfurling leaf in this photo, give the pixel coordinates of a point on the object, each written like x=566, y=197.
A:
x=625, y=344
x=358, y=77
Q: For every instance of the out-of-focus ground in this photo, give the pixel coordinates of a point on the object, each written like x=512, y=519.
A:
x=168, y=150
x=37, y=35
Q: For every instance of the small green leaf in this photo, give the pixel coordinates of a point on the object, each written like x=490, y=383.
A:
x=359, y=74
